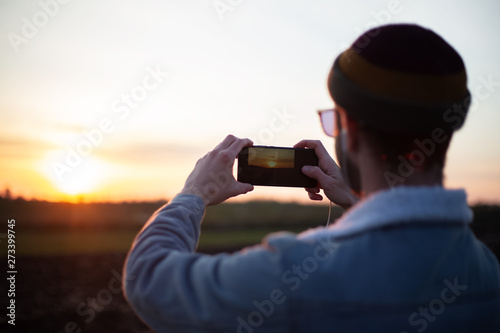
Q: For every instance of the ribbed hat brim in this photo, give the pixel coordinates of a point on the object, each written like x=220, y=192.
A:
x=391, y=114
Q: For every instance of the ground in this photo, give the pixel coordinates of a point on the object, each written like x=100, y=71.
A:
x=62, y=270
x=51, y=288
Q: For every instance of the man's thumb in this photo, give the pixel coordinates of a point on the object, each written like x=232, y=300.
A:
x=242, y=188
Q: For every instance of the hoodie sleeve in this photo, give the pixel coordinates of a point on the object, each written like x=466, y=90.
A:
x=172, y=288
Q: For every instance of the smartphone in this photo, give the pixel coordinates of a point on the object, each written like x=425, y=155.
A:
x=276, y=166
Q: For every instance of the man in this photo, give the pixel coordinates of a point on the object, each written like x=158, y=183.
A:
x=402, y=259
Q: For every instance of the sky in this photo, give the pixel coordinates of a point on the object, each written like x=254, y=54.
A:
x=117, y=99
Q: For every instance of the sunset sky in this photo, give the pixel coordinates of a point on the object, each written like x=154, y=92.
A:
x=271, y=158
x=117, y=99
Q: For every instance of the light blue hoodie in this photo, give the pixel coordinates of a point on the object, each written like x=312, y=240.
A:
x=401, y=260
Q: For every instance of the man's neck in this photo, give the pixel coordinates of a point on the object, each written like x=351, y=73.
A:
x=377, y=176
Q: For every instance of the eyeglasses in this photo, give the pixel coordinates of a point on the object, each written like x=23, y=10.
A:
x=330, y=121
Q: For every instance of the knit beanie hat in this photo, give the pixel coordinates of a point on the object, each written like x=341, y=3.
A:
x=401, y=78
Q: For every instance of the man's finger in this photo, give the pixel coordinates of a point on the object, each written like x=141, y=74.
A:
x=316, y=173
x=226, y=142
x=304, y=144
x=313, y=189
x=316, y=197
x=318, y=147
x=237, y=145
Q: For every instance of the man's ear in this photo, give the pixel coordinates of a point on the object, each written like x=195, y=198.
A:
x=352, y=135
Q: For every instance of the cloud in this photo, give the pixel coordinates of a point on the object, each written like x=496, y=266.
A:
x=153, y=153
x=23, y=148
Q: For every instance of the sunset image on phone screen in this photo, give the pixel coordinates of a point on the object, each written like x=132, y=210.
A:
x=271, y=158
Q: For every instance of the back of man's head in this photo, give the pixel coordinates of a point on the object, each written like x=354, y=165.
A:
x=403, y=85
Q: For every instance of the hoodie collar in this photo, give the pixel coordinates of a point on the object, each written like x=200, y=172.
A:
x=401, y=205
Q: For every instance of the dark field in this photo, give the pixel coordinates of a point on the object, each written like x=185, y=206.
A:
x=69, y=261
x=53, y=291
x=50, y=289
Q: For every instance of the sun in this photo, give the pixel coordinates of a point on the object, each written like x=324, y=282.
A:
x=271, y=164
x=81, y=179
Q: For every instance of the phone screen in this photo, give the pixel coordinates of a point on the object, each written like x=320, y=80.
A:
x=276, y=166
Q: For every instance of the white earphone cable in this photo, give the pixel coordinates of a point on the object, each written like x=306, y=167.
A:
x=329, y=212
